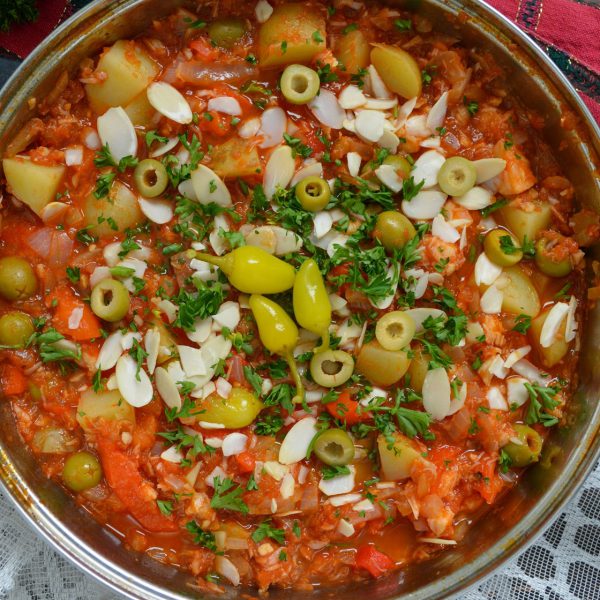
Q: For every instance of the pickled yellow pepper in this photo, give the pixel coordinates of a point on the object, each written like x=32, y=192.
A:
x=278, y=333
x=253, y=271
x=312, y=308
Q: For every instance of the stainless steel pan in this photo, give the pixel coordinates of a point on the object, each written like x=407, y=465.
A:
x=491, y=540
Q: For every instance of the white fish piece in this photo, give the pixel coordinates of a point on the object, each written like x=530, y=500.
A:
x=117, y=132
x=134, y=384
x=169, y=102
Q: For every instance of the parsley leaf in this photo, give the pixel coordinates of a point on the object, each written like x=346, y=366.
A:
x=265, y=530
x=281, y=395
x=522, y=323
x=203, y=538
x=228, y=497
x=74, y=274
x=332, y=471
x=541, y=400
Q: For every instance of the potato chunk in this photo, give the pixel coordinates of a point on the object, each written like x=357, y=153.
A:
x=35, y=185
x=396, y=458
x=236, y=158
x=105, y=405
x=353, y=50
x=119, y=209
x=129, y=70
x=141, y=112
x=398, y=69
x=520, y=295
x=291, y=35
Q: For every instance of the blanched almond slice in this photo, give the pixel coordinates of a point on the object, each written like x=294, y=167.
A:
x=488, y=168
x=436, y=393
x=167, y=388
x=342, y=484
x=389, y=177
x=234, y=443
x=134, y=384
x=273, y=124
x=491, y=301
x=475, y=199
x=496, y=399
x=427, y=167
x=370, y=125
x=209, y=187
x=279, y=170
x=443, y=230
x=486, y=272
x=152, y=346
x=226, y=105
x=425, y=205
x=313, y=170
x=552, y=324
x=297, y=441
x=354, y=161
x=110, y=352
x=327, y=109
x=157, y=210
x=437, y=114
x=169, y=102
x=351, y=97
x=418, y=315
x=116, y=130
x=164, y=148
x=516, y=391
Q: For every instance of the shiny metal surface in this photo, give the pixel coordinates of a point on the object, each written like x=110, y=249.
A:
x=490, y=541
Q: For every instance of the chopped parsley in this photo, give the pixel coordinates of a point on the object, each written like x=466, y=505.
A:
x=541, y=400
x=332, y=471
x=264, y=530
x=227, y=496
x=203, y=538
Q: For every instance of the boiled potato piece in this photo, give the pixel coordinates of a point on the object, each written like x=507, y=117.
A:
x=381, y=367
x=141, y=112
x=419, y=365
x=396, y=458
x=291, y=35
x=129, y=70
x=353, y=51
x=121, y=206
x=236, y=158
x=526, y=219
x=35, y=185
x=557, y=350
x=398, y=69
x=106, y=405
x=520, y=296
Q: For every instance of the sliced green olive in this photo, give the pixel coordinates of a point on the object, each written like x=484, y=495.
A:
x=457, y=176
x=227, y=31
x=15, y=329
x=331, y=368
x=150, y=177
x=393, y=230
x=395, y=330
x=110, y=300
x=528, y=448
x=548, y=264
x=502, y=248
x=334, y=447
x=17, y=279
x=400, y=163
x=313, y=193
x=299, y=84
x=82, y=471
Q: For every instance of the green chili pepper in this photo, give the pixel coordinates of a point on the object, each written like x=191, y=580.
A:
x=311, y=302
x=253, y=271
x=278, y=333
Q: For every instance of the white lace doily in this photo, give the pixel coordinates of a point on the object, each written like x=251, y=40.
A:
x=563, y=564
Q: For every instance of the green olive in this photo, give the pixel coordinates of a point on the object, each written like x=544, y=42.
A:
x=150, y=177
x=381, y=367
x=313, y=193
x=400, y=163
x=547, y=264
x=395, y=330
x=502, y=248
x=110, y=300
x=457, y=176
x=331, y=368
x=227, y=31
x=334, y=447
x=82, y=471
x=299, y=84
x=393, y=230
x=15, y=329
x=17, y=279
x=528, y=448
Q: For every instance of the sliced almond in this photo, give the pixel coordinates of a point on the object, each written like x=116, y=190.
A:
x=297, y=441
x=133, y=382
x=226, y=105
x=437, y=114
x=425, y=205
x=158, y=211
x=486, y=272
x=552, y=324
x=351, y=97
x=436, y=393
x=117, y=132
x=167, y=388
x=273, y=124
x=327, y=109
x=279, y=170
x=370, y=125
x=427, y=167
x=475, y=199
x=169, y=102
x=209, y=187
x=488, y=168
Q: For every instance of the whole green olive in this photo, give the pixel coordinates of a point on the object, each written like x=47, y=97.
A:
x=550, y=262
x=393, y=230
x=313, y=193
x=457, y=176
x=334, y=447
x=331, y=367
x=526, y=448
x=110, y=300
x=502, y=248
x=150, y=177
x=15, y=329
x=299, y=84
x=82, y=471
x=17, y=279
x=227, y=31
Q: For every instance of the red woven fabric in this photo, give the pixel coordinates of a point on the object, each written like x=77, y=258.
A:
x=569, y=30
x=22, y=39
